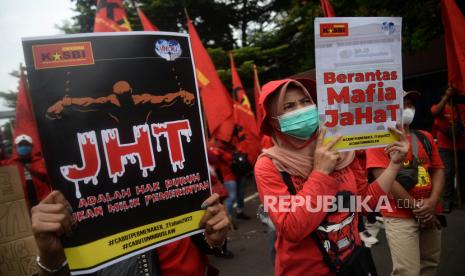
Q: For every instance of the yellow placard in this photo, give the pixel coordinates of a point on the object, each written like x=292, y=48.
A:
x=108, y=248
x=364, y=140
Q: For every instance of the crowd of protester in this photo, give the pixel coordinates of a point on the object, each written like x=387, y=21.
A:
x=416, y=174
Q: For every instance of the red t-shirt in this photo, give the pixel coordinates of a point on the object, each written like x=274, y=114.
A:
x=376, y=158
x=442, y=123
x=296, y=252
x=182, y=257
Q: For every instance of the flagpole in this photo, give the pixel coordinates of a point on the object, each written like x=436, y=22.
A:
x=186, y=13
x=456, y=165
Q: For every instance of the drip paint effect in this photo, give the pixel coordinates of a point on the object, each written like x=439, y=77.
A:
x=90, y=162
x=118, y=155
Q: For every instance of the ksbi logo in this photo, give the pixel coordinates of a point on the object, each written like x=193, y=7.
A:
x=168, y=49
x=62, y=55
x=334, y=29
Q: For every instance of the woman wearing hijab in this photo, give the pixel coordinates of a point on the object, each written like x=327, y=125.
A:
x=312, y=241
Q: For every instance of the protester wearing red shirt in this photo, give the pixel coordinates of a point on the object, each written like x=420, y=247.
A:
x=444, y=115
x=412, y=226
x=312, y=170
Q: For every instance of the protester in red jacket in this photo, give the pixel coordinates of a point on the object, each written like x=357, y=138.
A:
x=449, y=121
x=313, y=241
x=32, y=170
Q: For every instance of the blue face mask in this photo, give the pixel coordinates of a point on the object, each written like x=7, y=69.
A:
x=300, y=123
x=24, y=150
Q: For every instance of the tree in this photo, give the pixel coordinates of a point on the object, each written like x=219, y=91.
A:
x=9, y=97
x=275, y=35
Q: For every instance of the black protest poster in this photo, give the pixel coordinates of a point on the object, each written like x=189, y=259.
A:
x=121, y=131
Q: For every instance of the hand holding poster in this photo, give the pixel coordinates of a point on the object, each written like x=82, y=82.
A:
x=121, y=131
x=359, y=79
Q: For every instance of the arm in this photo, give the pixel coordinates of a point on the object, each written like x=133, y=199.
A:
x=396, y=152
x=437, y=110
x=59, y=106
x=187, y=97
x=397, y=191
x=50, y=220
x=298, y=222
x=305, y=211
x=215, y=220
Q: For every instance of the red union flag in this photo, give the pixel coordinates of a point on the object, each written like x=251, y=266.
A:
x=238, y=89
x=217, y=103
x=248, y=139
x=111, y=17
x=454, y=34
x=146, y=24
x=62, y=55
x=327, y=8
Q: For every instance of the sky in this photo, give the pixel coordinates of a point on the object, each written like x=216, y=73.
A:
x=26, y=18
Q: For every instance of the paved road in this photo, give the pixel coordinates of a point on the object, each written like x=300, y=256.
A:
x=252, y=252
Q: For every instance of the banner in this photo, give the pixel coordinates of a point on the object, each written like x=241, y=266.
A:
x=359, y=79
x=17, y=246
x=120, y=123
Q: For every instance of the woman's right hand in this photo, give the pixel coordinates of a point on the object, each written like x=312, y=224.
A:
x=325, y=158
x=51, y=219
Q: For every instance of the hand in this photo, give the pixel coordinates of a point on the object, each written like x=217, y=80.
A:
x=50, y=220
x=187, y=97
x=55, y=109
x=325, y=158
x=425, y=209
x=215, y=220
x=431, y=222
x=398, y=150
x=450, y=92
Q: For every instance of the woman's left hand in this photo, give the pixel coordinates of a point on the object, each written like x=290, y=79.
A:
x=215, y=220
x=398, y=150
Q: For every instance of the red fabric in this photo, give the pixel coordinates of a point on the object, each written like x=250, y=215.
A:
x=146, y=24
x=376, y=158
x=361, y=156
x=181, y=258
x=266, y=142
x=297, y=254
x=327, y=8
x=442, y=123
x=38, y=172
x=111, y=17
x=224, y=164
x=217, y=104
x=219, y=188
x=25, y=122
x=454, y=35
x=248, y=140
x=256, y=90
x=238, y=88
